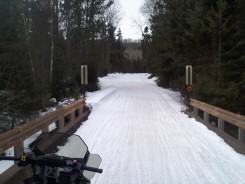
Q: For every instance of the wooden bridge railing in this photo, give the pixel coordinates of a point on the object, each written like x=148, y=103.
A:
x=223, y=117
x=65, y=118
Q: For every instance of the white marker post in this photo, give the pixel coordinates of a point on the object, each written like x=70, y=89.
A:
x=188, y=73
x=188, y=82
x=84, y=78
x=84, y=75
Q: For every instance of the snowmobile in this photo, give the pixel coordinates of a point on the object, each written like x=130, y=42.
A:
x=58, y=158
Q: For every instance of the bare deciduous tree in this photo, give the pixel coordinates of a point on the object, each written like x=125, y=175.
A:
x=147, y=9
x=113, y=14
x=138, y=23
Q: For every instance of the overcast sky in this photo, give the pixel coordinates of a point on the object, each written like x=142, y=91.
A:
x=130, y=11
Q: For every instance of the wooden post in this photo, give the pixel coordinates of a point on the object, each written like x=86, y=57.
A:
x=72, y=117
x=19, y=149
x=206, y=117
x=241, y=135
x=195, y=111
x=221, y=124
x=61, y=123
x=81, y=110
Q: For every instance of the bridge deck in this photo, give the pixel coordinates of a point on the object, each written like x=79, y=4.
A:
x=143, y=137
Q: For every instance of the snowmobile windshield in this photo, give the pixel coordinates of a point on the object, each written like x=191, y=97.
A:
x=62, y=144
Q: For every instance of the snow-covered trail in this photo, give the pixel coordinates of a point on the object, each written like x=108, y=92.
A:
x=143, y=138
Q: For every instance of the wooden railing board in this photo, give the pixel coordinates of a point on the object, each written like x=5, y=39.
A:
x=235, y=119
x=223, y=116
x=13, y=137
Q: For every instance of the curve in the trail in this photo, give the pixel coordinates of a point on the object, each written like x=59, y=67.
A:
x=144, y=138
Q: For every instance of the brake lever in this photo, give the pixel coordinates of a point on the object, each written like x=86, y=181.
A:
x=79, y=167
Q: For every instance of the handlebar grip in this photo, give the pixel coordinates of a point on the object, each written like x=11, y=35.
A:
x=87, y=168
x=9, y=158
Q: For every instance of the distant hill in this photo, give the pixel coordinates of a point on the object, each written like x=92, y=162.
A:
x=132, y=49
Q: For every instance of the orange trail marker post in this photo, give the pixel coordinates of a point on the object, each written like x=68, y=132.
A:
x=189, y=88
x=188, y=82
x=188, y=74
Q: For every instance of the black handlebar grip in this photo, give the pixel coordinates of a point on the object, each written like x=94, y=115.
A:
x=9, y=158
x=92, y=169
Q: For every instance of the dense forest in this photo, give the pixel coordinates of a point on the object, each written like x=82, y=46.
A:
x=207, y=34
x=43, y=44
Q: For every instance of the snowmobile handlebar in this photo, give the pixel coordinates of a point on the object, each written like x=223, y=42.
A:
x=50, y=160
x=9, y=158
x=87, y=168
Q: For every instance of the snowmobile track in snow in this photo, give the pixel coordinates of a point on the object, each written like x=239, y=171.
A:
x=143, y=138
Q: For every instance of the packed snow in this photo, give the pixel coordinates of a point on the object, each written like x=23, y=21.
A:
x=4, y=164
x=143, y=137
